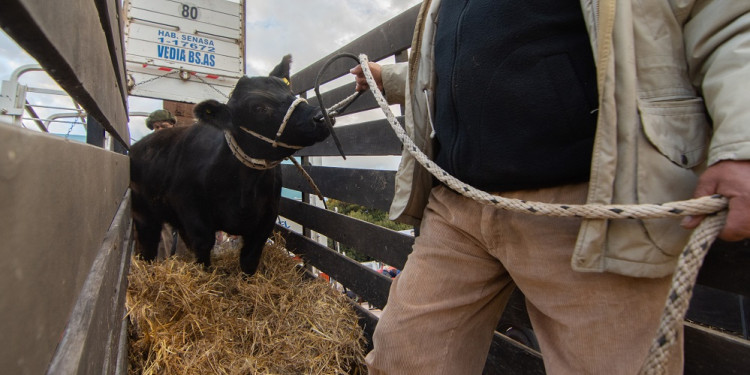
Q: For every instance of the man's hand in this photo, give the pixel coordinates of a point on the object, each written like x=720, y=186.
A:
x=730, y=178
x=360, y=76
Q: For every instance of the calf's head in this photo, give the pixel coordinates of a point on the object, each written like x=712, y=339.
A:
x=265, y=118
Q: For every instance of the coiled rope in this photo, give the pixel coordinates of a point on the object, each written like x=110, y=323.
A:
x=688, y=263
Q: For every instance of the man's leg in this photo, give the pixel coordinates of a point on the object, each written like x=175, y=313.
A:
x=586, y=323
x=443, y=307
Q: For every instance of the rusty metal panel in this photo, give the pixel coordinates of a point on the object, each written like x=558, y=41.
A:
x=58, y=199
x=69, y=41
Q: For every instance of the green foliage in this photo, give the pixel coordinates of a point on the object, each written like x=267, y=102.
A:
x=370, y=215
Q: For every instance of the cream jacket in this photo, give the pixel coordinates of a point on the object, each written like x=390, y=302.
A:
x=674, y=97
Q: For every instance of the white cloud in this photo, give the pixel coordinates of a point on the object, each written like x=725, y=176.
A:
x=11, y=56
x=309, y=30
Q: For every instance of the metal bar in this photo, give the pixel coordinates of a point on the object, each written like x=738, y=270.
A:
x=177, y=28
x=37, y=120
x=198, y=32
x=40, y=90
x=51, y=107
x=81, y=114
x=21, y=70
x=53, y=120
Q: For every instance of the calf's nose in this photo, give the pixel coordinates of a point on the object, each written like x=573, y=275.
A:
x=319, y=118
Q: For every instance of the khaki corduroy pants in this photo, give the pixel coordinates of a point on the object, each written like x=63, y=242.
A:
x=443, y=307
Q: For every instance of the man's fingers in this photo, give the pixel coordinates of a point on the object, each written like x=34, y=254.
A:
x=690, y=222
x=359, y=78
x=737, y=226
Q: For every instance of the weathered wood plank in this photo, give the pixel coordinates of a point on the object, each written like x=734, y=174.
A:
x=367, y=321
x=58, y=200
x=372, y=286
x=385, y=40
x=509, y=357
x=725, y=267
x=92, y=336
x=709, y=352
x=363, y=139
x=719, y=309
x=505, y=356
x=515, y=311
x=109, y=15
x=380, y=243
x=78, y=58
x=370, y=188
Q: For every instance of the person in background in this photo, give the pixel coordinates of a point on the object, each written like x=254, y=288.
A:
x=160, y=119
x=171, y=243
x=573, y=102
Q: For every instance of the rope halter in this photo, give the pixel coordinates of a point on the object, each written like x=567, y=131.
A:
x=262, y=164
x=248, y=161
x=275, y=142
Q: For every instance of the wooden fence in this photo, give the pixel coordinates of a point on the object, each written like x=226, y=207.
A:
x=65, y=205
x=66, y=223
x=716, y=335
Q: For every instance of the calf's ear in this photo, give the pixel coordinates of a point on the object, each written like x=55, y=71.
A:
x=214, y=113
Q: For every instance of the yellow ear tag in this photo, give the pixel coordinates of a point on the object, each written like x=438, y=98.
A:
x=286, y=81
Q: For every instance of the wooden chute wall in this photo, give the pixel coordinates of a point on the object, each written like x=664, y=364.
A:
x=65, y=223
x=720, y=299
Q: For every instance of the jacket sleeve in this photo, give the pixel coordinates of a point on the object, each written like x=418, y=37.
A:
x=717, y=42
x=394, y=82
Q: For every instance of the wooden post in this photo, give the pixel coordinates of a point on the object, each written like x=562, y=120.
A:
x=94, y=132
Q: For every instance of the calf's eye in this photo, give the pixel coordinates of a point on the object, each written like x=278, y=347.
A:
x=261, y=109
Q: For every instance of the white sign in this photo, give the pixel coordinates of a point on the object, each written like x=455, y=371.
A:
x=186, y=51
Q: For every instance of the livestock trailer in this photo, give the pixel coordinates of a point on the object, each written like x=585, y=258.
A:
x=65, y=261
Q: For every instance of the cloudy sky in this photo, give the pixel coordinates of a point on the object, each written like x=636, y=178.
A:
x=308, y=29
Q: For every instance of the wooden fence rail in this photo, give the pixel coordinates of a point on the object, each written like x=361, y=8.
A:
x=65, y=222
x=724, y=280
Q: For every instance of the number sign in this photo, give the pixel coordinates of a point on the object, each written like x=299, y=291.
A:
x=184, y=51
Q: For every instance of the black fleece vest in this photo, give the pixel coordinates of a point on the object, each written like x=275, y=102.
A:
x=516, y=98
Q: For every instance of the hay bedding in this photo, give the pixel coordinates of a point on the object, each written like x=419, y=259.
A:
x=185, y=320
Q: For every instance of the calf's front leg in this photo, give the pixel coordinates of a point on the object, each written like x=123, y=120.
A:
x=252, y=249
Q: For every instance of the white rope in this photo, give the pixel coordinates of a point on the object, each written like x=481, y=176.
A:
x=287, y=116
x=269, y=140
x=333, y=110
x=248, y=161
x=263, y=163
x=309, y=180
x=688, y=263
